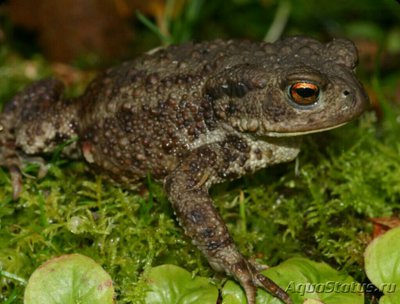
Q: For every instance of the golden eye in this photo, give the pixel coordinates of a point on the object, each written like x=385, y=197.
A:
x=304, y=93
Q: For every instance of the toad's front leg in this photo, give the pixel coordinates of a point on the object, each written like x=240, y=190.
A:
x=187, y=188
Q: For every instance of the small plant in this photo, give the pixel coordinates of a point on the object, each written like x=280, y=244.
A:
x=382, y=265
x=70, y=279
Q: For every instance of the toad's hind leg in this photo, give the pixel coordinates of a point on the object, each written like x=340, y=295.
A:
x=187, y=188
x=34, y=121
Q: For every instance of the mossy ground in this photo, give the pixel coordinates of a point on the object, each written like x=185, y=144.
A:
x=318, y=206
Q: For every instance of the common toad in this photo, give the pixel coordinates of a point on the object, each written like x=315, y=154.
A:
x=193, y=115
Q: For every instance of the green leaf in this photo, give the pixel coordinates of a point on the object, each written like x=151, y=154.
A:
x=69, y=279
x=232, y=293
x=172, y=284
x=306, y=281
x=390, y=298
x=382, y=261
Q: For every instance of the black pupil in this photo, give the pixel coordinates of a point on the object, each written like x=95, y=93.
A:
x=305, y=92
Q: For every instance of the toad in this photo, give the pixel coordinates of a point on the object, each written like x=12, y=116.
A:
x=193, y=115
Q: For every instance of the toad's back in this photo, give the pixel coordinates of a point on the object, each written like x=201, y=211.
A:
x=146, y=115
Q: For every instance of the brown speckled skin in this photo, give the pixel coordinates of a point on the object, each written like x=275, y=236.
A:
x=192, y=115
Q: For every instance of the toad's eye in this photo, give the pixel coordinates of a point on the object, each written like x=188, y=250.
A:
x=304, y=93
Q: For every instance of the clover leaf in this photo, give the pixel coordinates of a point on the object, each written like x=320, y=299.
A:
x=69, y=279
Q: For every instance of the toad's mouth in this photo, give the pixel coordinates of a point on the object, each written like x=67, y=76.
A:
x=257, y=128
x=299, y=133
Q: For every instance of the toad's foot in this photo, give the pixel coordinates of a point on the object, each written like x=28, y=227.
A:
x=9, y=157
x=250, y=278
x=196, y=213
x=204, y=225
x=16, y=181
x=14, y=162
